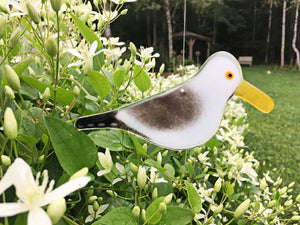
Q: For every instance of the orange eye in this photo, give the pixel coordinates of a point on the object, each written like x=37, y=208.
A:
x=229, y=75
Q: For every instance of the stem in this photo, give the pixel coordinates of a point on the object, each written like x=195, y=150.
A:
x=57, y=67
x=69, y=221
x=15, y=148
x=230, y=221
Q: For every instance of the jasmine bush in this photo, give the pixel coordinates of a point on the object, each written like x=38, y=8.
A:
x=55, y=65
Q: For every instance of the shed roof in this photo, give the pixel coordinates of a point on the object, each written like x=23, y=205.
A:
x=189, y=34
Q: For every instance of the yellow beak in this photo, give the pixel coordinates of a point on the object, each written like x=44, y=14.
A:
x=255, y=97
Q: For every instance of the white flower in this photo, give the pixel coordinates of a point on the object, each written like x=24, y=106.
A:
x=108, y=15
x=22, y=8
x=154, y=176
x=33, y=196
x=84, y=53
x=146, y=53
x=202, y=158
x=122, y=1
x=106, y=162
x=113, y=41
x=94, y=215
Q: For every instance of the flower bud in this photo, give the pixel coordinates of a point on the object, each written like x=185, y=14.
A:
x=154, y=193
x=41, y=159
x=37, y=61
x=76, y=91
x=283, y=191
x=12, y=78
x=295, y=218
x=92, y=199
x=271, y=204
x=162, y=208
x=162, y=68
x=136, y=211
x=133, y=168
x=14, y=38
x=10, y=124
x=144, y=215
x=141, y=177
x=239, y=164
x=56, y=210
x=124, y=12
x=159, y=158
x=242, y=208
x=165, y=153
x=168, y=198
x=51, y=47
x=90, y=192
x=206, y=177
x=5, y=160
x=298, y=198
x=31, y=72
x=218, y=210
x=32, y=13
x=81, y=173
x=95, y=206
x=88, y=66
x=112, y=193
x=291, y=184
x=3, y=25
x=218, y=185
x=263, y=184
x=9, y=92
x=46, y=95
x=132, y=49
x=56, y=5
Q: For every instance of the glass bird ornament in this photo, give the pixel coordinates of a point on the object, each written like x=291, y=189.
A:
x=189, y=114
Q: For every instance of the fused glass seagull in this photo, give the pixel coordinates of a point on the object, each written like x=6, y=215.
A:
x=189, y=114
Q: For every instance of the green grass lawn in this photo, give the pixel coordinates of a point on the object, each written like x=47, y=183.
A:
x=275, y=137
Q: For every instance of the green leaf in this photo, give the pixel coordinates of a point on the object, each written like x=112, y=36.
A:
x=170, y=171
x=193, y=197
x=74, y=149
x=152, y=214
x=138, y=147
x=119, y=77
x=177, y=216
x=118, y=216
x=63, y=96
x=20, y=67
x=141, y=78
x=100, y=83
x=115, y=140
x=33, y=129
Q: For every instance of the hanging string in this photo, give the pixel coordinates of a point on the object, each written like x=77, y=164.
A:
x=184, y=33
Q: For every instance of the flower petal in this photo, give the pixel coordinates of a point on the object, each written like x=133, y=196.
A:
x=102, y=172
x=64, y=190
x=93, y=48
x=76, y=53
x=76, y=64
x=12, y=208
x=15, y=175
x=38, y=216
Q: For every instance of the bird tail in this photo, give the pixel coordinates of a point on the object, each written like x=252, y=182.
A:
x=100, y=120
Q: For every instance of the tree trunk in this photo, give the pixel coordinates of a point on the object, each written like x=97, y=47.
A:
x=107, y=31
x=169, y=23
x=269, y=32
x=283, y=33
x=295, y=35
